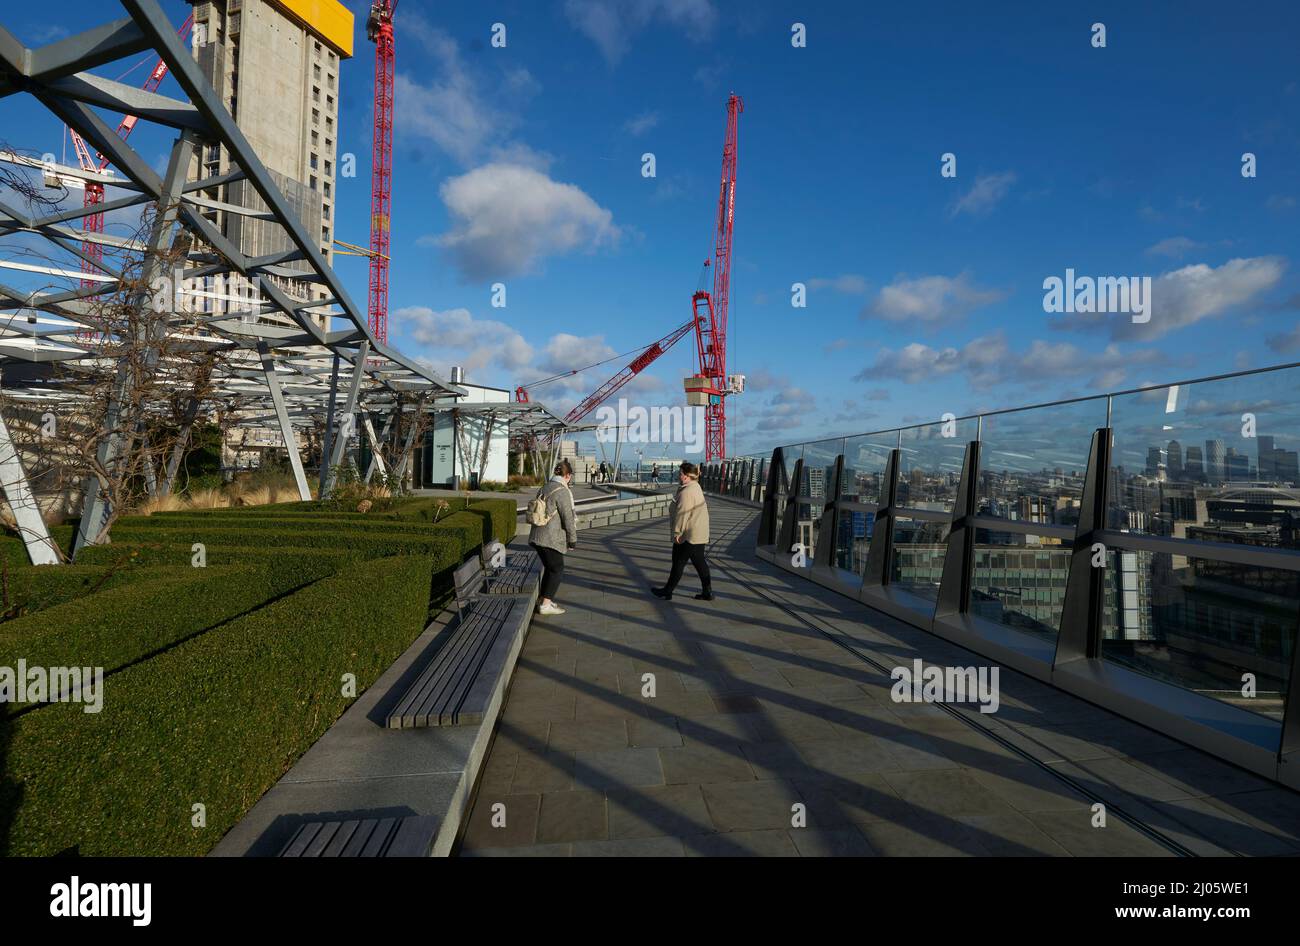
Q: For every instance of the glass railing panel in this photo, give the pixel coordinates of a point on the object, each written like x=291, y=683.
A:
x=1217, y=461
x=1019, y=581
x=790, y=454
x=930, y=467
x=818, y=471
x=1033, y=462
x=1207, y=626
x=853, y=539
x=918, y=551
x=866, y=459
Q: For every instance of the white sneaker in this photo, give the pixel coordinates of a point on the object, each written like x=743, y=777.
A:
x=550, y=608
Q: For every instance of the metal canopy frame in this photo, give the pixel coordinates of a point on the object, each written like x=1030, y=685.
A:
x=281, y=361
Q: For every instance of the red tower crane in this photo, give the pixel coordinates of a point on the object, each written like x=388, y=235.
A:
x=638, y=364
x=634, y=368
x=94, y=192
x=712, y=385
x=379, y=27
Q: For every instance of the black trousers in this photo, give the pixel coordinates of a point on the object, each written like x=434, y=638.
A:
x=694, y=553
x=552, y=570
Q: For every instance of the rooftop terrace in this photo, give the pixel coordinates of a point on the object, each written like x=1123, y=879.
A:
x=778, y=694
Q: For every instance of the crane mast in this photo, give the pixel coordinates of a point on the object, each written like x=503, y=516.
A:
x=711, y=386
x=379, y=27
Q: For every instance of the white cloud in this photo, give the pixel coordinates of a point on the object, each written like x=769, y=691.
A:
x=611, y=24
x=492, y=352
x=641, y=123
x=787, y=409
x=930, y=300
x=508, y=217
x=1285, y=341
x=456, y=108
x=565, y=352
x=1176, y=247
x=1186, y=296
x=461, y=339
x=989, y=360
x=849, y=283
x=987, y=193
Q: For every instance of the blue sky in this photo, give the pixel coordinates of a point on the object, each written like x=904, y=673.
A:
x=522, y=165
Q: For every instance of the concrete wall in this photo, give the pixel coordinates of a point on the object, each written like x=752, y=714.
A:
x=624, y=511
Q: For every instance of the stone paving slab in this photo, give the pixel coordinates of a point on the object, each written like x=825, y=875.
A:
x=758, y=721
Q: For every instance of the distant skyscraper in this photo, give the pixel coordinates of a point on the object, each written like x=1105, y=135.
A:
x=1266, y=460
x=1193, y=469
x=1236, y=466
x=1286, y=466
x=1154, y=462
x=1214, y=461
x=1175, y=461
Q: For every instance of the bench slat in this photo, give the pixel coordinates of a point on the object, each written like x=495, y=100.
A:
x=298, y=843
x=378, y=839
x=479, y=628
x=432, y=680
x=322, y=839
x=412, y=836
x=360, y=839
x=445, y=694
x=473, y=708
x=340, y=839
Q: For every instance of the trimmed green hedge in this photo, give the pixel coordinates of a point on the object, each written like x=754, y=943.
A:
x=502, y=512
x=220, y=685
x=214, y=721
x=504, y=516
x=300, y=524
x=114, y=628
x=28, y=590
x=383, y=541
x=313, y=562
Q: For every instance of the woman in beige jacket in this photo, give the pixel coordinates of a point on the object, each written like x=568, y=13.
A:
x=690, y=535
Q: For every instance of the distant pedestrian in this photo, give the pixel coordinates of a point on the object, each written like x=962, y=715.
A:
x=690, y=535
x=654, y=475
x=554, y=532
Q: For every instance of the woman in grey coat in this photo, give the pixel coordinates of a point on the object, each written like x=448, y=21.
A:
x=558, y=536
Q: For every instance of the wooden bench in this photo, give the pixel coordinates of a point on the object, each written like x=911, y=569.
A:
x=372, y=837
x=521, y=568
x=521, y=576
x=458, y=684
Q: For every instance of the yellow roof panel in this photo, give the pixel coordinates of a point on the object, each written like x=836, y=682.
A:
x=329, y=20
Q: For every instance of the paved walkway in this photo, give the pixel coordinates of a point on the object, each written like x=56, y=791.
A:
x=756, y=712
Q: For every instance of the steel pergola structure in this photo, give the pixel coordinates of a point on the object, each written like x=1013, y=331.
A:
x=284, y=359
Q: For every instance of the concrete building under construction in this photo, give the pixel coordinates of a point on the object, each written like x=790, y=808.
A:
x=275, y=65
